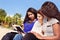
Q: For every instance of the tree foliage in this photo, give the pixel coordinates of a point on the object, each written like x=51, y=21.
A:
x=2, y=15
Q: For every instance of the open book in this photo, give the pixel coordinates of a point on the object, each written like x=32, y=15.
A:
x=19, y=29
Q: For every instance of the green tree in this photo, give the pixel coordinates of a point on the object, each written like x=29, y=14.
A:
x=17, y=19
x=8, y=20
x=17, y=15
x=2, y=15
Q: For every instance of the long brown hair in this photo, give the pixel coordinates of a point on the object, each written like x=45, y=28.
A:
x=50, y=10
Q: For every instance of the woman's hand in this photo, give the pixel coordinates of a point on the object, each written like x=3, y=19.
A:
x=37, y=35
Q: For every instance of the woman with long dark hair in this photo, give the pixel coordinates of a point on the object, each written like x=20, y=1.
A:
x=50, y=11
x=30, y=18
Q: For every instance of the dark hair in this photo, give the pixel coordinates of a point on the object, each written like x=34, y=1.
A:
x=32, y=10
x=49, y=9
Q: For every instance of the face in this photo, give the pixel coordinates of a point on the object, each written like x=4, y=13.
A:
x=39, y=16
x=45, y=18
x=31, y=15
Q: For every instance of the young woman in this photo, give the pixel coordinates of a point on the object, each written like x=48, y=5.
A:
x=50, y=29
x=50, y=11
x=38, y=24
x=29, y=21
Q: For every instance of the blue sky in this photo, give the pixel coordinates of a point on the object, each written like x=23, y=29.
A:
x=21, y=6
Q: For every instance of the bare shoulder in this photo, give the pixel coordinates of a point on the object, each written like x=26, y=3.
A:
x=56, y=25
x=56, y=28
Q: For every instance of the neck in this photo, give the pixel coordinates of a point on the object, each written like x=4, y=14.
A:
x=41, y=21
x=31, y=20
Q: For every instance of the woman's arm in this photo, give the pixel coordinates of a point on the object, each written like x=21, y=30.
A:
x=56, y=33
x=37, y=35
